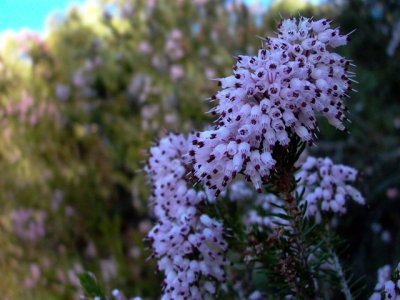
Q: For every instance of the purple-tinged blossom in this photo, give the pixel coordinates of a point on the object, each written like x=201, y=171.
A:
x=190, y=246
x=173, y=45
x=327, y=187
x=144, y=48
x=240, y=191
x=62, y=91
x=118, y=295
x=293, y=77
x=109, y=269
x=176, y=72
x=387, y=287
x=28, y=224
x=269, y=97
x=256, y=295
x=219, y=155
x=270, y=204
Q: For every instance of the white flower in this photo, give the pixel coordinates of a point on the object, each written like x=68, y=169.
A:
x=239, y=191
x=390, y=292
x=270, y=205
x=385, y=285
x=269, y=98
x=62, y=91
x=327, y=186
x=189, y=245
x=256, y=295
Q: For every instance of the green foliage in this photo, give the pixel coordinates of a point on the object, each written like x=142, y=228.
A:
x=90, y=286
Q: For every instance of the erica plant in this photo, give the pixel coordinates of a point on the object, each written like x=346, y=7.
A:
x=214, y=236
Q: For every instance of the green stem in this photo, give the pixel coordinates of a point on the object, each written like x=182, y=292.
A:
x=295, y=222
x=339, y=271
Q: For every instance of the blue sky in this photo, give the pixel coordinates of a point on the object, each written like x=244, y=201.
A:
x=262, y=2
x=17, y=14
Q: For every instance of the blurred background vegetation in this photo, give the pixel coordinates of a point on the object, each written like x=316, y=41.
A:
x=80, y=104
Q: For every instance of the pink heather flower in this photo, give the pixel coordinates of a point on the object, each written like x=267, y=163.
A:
x=386, y=237
x=140, y=87
x=79, y=79
x=26, y=39
x=327, y=186
x=256, y=295
x=200, y=2
x=176, y=34
x=176, y=72
x=118, y=295
x=210, y=73
x=34, y=276
x=240, y=191
x=392, y=193
x=24, y=105
x=294, y=77
x=158, y=62
x=173, y=46
x=109, y=269
x=72, y=274
x=395, y=40
x=29, y=224
x=386, y=285
x=144, y=47
x=127, y=10
x=269, y=204
x=171, y=119
x=56, y=200
x=189, y=245
x=271, y=97
x=91, y=250
x=219, y=155
x=151, y=4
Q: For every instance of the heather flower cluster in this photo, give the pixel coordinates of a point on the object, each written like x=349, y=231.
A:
x=266, y=111
x=119, y=295
x=240, y=191
x=264, y=208
x=388, y=286
x=271, y=97
x=189, y=245
x=327, y=187
x=29, y=224
x=271, y=205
